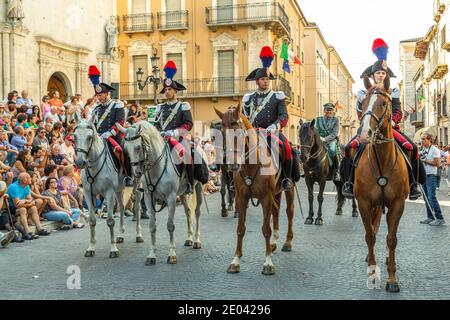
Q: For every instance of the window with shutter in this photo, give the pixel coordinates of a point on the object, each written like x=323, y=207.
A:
x=138, y=6
x=224, y=10
x=226, y=71
x=173, y=14
x=178, y=59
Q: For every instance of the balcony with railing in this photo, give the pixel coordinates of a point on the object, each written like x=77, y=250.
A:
x=173, y=20
x=142, y=22
x=203, y=88
x=438, y=69
x=272, y=14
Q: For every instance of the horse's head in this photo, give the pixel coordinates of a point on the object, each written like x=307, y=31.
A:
x=309, y=139
x=135, y=148
x=85, y=137
x=376, y=109
x=232, y=133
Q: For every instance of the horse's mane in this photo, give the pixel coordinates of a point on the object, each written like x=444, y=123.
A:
x=246, y=122
x=148, y=131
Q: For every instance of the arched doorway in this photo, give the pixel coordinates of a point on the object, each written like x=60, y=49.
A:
x=58, y=82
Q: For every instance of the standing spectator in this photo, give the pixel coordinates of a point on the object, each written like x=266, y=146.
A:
x=25, y=100
x=67, y=150
x=133, y=114
x=72, y=108
x=431, y=158
x=55, y=101
x=440, y=169
x=19, y=140
x=41, y=140
x=53, y=115
x=22, y=205
x=45, y=106
x=88, y=108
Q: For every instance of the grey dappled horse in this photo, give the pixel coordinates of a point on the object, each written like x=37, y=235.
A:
x=151, y=160
x=100, y=176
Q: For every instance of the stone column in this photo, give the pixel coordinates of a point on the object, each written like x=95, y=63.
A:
x=6, y=71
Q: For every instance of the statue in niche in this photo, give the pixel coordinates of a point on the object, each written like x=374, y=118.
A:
x=112, y=32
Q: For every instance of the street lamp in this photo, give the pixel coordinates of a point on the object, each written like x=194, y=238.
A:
x=153, y=78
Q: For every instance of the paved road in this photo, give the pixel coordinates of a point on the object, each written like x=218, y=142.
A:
x=326, y=263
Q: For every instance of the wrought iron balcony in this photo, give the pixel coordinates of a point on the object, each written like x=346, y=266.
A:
x=138, y=23
x=272, y=14
x=173, y=20
x=203, y=88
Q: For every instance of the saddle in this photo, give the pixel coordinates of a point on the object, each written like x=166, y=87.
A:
x=115, y=155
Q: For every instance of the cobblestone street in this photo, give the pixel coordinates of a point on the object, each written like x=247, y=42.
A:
x=326, y=262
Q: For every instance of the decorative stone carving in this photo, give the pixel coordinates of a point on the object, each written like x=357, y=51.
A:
x=15, y=10
x=112, y=32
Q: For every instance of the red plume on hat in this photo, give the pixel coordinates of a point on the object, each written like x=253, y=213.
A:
x=266, y=56
x=94, y=75
x=380, y=49
x=170, y=69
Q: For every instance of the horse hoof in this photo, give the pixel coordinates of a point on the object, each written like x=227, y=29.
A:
x=392, y=287
x=236, y=215
x=234, y=269
x=197, y=245
x=224, y=213
x=114, y=254
x=172, y=260
x=150, y=262
x=319, y=222
x=120, y=240
x=287, y=248
x=273, y=247
x=188, y=243
x=339, y=212
x=268, y=270
x=89, y=254
x=139, y=240
x=309, y=221
x=230, y=208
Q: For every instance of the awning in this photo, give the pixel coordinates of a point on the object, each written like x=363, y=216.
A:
x=432, y=130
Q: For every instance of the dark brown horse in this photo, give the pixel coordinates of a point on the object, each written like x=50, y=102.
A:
x=255, y=177
x=381, y=179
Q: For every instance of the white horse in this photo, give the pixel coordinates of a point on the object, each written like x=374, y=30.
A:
x=100, y=176
x=151, y=160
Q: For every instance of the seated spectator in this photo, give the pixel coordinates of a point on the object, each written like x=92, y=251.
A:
x=6, y=117
x=36, y=188
x=41, y=140
x=57, y=159
x=52, y=115
x=20, y=166
x=70, y=130
x=57, y=133
x=45, y=106
x=67, y=150
x=7, y=221
x=12, y=109
x=40, y=159
x=5, y=170
x=25, y=99
x=68, y=184
x=11, y=150
x=21, y=140
x=72, y=108
x=51, y=171
x=48, y=128
x=56, y=210
x=22, y=205
x=2, y=108
x=22, y=109
x=37, y=112
x=32, y=122
x=12, y=97
x=55, y=101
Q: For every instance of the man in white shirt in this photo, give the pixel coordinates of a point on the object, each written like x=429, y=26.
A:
x=67, y=150
x=53, y=114
x=431, y=157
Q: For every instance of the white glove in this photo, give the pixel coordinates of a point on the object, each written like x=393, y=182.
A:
x=393, y=123
x=167, y=133
x=176, y=133
x=272, y=128
x=323, y=139
x=106, y=135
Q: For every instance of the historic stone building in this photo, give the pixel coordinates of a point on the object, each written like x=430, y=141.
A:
x=48, y=45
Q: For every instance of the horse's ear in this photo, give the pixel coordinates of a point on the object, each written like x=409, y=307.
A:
x=301, y=122
x=238, y=111
x=387, y=83
x=313, y=123
x=219, y=113
x=367, y=82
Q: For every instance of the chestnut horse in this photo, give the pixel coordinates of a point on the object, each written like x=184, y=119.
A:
x=381, y=179
x=255, y=177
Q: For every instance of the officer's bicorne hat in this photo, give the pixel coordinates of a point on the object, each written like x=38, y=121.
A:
x=170, y=70
x=380, y=49
x=329, y=106
x=266, y=57
x=99, y=87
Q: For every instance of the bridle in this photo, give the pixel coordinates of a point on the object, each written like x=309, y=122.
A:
x=315, y=155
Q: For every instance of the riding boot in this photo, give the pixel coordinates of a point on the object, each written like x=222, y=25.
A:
x=296, y=175
x=128, y=181
x=337, y=176
x=190, y=176
x=347, y=189
x=287, y=170
x=414, y=193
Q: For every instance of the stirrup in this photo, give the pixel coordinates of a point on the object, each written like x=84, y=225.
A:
x=414, y=194
x=347, y=190
x=287, y=184
x=189, y=189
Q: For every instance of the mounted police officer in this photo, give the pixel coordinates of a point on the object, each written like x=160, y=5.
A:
x=107, y=116
x=328, y=127
x=266, y=109
x=174, y=119
x=378, y=73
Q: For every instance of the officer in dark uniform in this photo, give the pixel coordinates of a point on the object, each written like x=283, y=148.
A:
x=266, y=109
x=174, y=118
x=107, y=115
x=378, y=72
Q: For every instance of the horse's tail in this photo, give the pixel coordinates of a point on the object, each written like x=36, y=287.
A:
x=340, y=199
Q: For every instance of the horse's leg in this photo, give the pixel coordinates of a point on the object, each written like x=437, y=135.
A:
x=110, y=201
x=290, y=196
x=137, y=212
x=119, y=198
x=355, y=209
x=198, y=193
x=310, y=186
x=90, y=252
x=187, y=210
x=276, y=222
x=223, y=187
x=367, y=216
x=241, y=207
x=268, y=268
x=340, y=198
x=171, y=204
x=393, y=219
x=151, y=258
x=230, y=195
x=319, y=220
